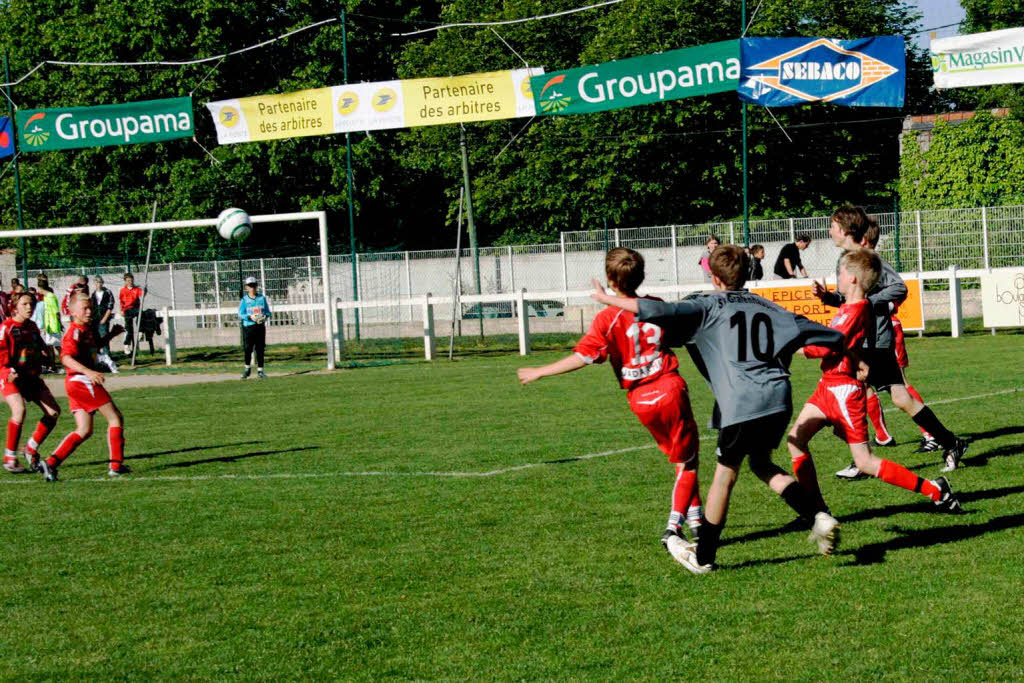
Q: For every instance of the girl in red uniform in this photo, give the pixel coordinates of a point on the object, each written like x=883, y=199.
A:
x=21, y=354
x=84, y=387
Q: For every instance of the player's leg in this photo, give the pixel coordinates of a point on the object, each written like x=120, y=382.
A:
x=115, y=438
x=51, y=411
x=808, y=423
x=715, y=510
x=938, y=490
x=882, y=435
x=953, y=448
x=928, y=442
x=260, y=346
x=248, y=343
x=16, y=403
x=67, y=446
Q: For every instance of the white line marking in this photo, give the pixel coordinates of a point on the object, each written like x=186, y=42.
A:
x=25, y=479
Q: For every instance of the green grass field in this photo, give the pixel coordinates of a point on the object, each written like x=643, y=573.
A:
x=438, y=521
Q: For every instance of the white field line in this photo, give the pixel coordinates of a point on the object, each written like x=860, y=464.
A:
x=25, y=479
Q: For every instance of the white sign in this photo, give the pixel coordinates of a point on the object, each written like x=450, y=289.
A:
x=979, y=59
x=1002, y=298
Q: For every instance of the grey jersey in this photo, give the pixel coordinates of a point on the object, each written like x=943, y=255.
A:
x=889, y=290
x=742, y=345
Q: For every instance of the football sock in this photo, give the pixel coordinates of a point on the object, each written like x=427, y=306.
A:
x=694, y=515
x=801, y=501
x=13, y=435
x=917, y=397
x=878, y=419
x=64, y=449
x=115, y=440
x=898, y=475
x=707, y=546
x=807, y=476
x=42, y=430
x=682, y=494
x=926, y=420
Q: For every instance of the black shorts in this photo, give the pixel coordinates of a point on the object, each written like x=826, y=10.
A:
x=884, y=368
x=756, y=438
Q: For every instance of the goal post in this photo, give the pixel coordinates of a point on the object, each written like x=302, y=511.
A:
x=319, y=216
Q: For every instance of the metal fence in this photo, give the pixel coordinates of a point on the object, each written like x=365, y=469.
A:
x=912, y=240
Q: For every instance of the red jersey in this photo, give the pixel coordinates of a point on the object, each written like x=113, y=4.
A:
x=855, y=320
x=80, y=343
x=129, y=298
x=636, y=350
x=21, y=348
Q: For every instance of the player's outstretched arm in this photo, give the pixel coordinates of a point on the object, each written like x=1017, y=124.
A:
x=567, y=364
x=622, y=302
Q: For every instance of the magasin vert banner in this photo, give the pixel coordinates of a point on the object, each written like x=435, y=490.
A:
x=40, y=130
x=671, y=75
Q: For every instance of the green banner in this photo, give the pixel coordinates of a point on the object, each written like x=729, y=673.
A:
x=40, y=130
x=672, y=75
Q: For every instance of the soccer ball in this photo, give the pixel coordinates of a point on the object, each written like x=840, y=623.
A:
x=234, y=224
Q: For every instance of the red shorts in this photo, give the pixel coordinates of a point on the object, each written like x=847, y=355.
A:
x=899, y=344
x=84, y=394
x=663, y=406
x=845, y=405
x=31, y=387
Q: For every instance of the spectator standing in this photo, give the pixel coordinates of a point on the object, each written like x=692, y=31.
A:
x=130, y=298
x=51, y=327
x=705, y=264
x=81, y=283
x=756, y=269
x=103, y=311
x=788, y=265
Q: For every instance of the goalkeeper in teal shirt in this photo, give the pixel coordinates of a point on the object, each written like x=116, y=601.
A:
x=253, y=311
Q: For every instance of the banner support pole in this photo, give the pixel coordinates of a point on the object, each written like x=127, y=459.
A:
x=17, y=176
x=473, y=247
x=348, y=179
x=743, y=111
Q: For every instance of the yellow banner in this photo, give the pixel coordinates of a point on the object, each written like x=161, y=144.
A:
x=801, y=301
x=477, y=97
x=306, y=112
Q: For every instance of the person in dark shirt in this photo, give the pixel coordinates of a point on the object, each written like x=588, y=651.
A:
x=756, y=269
x=788, y=265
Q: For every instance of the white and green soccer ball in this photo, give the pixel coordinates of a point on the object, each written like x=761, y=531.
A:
x=234, y=224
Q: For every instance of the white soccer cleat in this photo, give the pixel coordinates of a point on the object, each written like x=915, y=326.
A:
x=686, y=554
x=851, y=473
x=825, y=533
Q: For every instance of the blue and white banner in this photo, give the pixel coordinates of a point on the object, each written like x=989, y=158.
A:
x=6, y=137
x=781, y=72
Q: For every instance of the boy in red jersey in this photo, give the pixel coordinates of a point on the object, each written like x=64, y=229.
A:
x=646, y=368
x=84, y=387
x=21, y=356
x=840, y=398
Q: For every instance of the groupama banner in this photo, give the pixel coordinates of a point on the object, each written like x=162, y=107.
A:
x=375, y=106
x=979, y=59
x=40, y=130
x=780, y=72
x=671, y=75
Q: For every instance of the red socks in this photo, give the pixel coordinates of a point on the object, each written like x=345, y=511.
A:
x=877, y=419
x=685, y=497
x=66, y=448
x=807, y=475
x=917, y=397
x=115, y=440
x=898, y=475
x=13, y=436
x=42, y=430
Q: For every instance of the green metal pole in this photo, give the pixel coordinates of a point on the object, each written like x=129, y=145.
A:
x=743, y=110
x=348, y=178
x=17, y=176
x=469, y=220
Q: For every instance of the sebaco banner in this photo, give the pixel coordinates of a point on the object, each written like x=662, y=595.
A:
x=41, y=130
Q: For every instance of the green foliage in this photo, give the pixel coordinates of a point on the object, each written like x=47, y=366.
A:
x=976, y=163
x=674, y=162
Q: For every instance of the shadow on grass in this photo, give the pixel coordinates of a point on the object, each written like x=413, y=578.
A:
x=924, y=506
x=157, y=454
x=874, y=553
x=231, y=458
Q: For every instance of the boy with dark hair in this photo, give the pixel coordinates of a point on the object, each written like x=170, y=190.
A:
x=839, y=399
x=788, y=265
x=646, y=368
x=756, y=269
x=848, y=227
x=742, y=345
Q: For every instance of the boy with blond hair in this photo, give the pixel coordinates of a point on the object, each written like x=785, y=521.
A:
x=648, y=370
x=840, y=398
x=741, y=344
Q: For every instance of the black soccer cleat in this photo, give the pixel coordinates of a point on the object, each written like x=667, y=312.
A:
x=954, y=455
x=49, y=471
x=891, y=443
x=947, y=502
x=927, y=445
x=246, y=373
